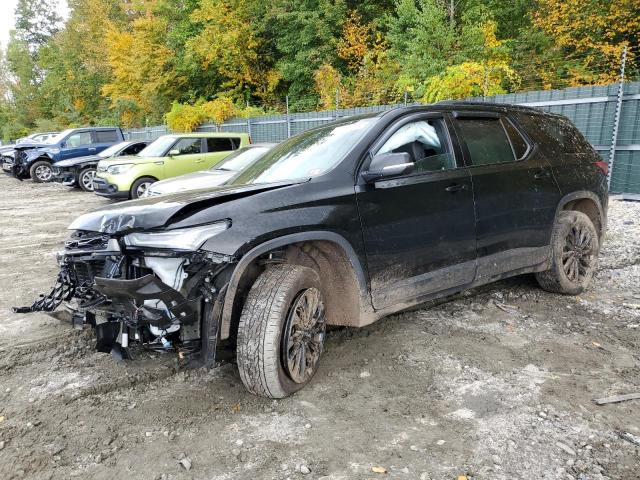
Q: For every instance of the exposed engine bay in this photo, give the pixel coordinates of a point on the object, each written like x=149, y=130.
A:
x=165, y=300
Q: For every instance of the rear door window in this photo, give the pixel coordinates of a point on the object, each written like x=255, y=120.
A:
x=426, y=142
x=219, y=144
x=486, y=140
x=106, y=136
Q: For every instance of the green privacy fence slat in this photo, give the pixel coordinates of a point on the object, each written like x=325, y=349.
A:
x=594, y=119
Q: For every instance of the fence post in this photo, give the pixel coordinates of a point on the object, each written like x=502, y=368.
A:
x=288, y=118
x=249, y=127
x=337, y=101
x=616, y=121
x=406, y=95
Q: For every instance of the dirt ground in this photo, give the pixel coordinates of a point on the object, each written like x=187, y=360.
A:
x=497, y=383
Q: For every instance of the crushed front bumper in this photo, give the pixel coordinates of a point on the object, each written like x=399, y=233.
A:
x=164, y=301
x=65, y=176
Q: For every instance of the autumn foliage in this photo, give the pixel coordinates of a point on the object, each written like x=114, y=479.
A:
x=143, y=62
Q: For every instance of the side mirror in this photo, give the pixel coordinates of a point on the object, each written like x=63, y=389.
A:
x=387, y=165
x=174, y=153
x=63, y=144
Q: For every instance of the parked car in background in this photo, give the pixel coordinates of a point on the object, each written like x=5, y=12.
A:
x=340, y=225
x=80, y=172
x=37, y=137
x=236, y=162
x=167, y=157
x=7, y=150
x=35, y=160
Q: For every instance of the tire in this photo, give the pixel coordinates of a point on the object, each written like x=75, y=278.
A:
x=574, y=255
x=268, y=326
x=140, y=186
x=85, y=179
x=41, y=172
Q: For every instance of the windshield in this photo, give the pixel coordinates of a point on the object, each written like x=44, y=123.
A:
x=158, y=147
x=112, y=150
x=241, y=159
x=306, y=155
x=53, y=138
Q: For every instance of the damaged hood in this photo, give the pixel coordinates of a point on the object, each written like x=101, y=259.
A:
x=31, y=145
x=155, y=212
x=72, y=162
x=191, y=181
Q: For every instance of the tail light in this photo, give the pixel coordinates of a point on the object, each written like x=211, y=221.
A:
x=604, y=167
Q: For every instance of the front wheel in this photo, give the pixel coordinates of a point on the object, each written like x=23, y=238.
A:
x=140, y=186
x=281, y=332
x=574, y=255
x=41, y=172
x=85, y=179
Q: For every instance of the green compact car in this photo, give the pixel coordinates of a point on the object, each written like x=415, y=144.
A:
x=167, y=157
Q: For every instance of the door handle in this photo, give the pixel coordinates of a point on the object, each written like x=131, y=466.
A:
x=456, y=187
x=92, y=149
x=199, y=161
x=159, y=163
x=541, y=174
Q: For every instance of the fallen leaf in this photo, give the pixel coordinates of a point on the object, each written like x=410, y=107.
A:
x=462, y=477
x=378, y=470
x=236, y=408
x=1, y=418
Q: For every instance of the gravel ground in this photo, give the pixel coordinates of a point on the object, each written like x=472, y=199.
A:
x=497, y=383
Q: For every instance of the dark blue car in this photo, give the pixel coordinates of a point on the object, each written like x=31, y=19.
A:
x=35, y=160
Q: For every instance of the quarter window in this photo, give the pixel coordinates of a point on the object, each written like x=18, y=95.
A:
x=486, y=140
x=188, y=146
x=78, y=139
x=219, y=145
x=518, y=143
x=425, y=141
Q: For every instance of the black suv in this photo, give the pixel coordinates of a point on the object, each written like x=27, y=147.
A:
x=339, y=225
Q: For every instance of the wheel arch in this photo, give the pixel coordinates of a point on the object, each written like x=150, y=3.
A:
x=587, y=203
x=326, y=252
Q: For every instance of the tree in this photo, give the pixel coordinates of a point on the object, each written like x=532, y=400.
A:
x=36, y=21
x=421, y=38
x=229, y=43
x=141, y=90
x=75, y=76
x=305, y=34
x=590, y=34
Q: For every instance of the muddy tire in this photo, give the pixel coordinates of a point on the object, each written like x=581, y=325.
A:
x=85, y=179
x=574, y=255
x=41, y=172
x=140, y=186
x=281, y=331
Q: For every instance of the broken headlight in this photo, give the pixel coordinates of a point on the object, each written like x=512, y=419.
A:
x=180, y=239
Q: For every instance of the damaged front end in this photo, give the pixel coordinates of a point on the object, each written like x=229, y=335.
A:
x=157, y=289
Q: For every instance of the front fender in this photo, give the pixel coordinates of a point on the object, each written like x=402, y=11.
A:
x=256, y=252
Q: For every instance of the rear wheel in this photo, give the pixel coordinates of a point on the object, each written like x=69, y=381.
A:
x=574, y=255
x=41, y=171
x=85, y=179
x=140, y=186
x=281, y=331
